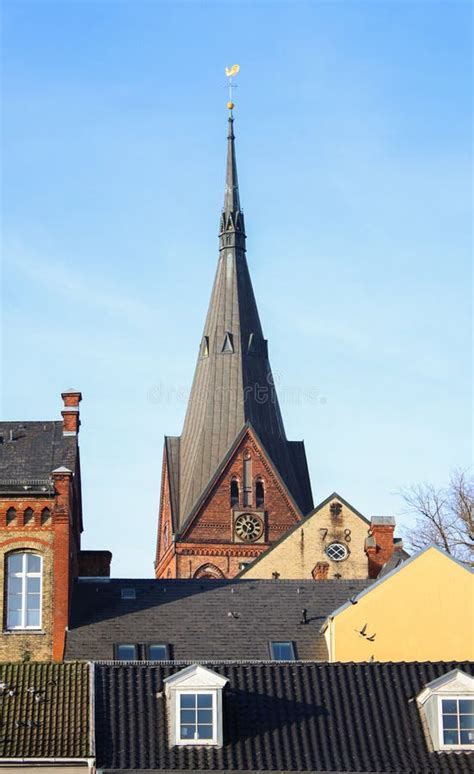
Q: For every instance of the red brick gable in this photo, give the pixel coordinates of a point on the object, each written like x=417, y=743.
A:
x=210, y=532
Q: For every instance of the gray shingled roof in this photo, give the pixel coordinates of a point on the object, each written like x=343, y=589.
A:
x=279, y=717
x=30, y=451
x=204, y=619
x=234, y=388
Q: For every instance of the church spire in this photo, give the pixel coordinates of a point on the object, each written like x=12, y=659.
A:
x=233, y=387
x=232, y=227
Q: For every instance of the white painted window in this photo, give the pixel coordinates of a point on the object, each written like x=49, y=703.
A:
x=24, y=582
x=195, y=705
x=196, y=717
x=447, y=706
x=456, y=716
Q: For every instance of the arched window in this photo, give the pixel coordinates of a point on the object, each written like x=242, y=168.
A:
x=234, y=493
x=165, y=536
x=45, y=516
x=11, y=516
x=28, y=516
x=259, y=494
x=24, y=574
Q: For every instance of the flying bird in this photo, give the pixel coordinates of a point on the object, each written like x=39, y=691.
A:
x=230, y=71
x=363, y=630
x=371, y=638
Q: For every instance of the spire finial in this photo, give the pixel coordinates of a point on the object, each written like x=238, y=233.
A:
x=230, y=72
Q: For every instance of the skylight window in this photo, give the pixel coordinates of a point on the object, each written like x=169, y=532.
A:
x=126, y=652
x=282, y=651
x=158, y=653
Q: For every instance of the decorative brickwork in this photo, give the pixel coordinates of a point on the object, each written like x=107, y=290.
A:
x=210, y=532
x=41, y=513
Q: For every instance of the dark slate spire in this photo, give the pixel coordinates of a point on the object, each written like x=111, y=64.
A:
x=233, y=385
x=232, y=227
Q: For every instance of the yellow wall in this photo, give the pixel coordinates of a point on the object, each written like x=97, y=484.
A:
x=423, y=612
x=296, y=556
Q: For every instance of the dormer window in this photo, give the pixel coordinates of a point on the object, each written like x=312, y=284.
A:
x=197, y=718
x=447, y=705
x=195, y=706
x=457, y=721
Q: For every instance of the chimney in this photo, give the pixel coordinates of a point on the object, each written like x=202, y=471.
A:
x=320, y=571
x=380, y=543
x=70, y=412
x=94, y=564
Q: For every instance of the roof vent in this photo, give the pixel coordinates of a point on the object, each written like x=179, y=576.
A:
x=128, y=593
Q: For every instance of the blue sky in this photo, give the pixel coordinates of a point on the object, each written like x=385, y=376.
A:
x=353, y=126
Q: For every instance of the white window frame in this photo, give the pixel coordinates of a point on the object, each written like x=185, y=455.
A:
x=24, y=575
x=453, y=697
x=196, y=692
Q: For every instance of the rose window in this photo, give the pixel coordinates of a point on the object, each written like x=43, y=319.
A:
x=248, y=527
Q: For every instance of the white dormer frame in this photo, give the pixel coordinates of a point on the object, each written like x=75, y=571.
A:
x=453, y=685
x=195, y=679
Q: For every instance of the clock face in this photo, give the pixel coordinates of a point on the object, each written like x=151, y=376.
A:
x=248, y=527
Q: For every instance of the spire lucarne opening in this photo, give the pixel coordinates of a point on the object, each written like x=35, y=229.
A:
x=233, y=387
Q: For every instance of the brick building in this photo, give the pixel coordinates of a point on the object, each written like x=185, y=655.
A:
x=232, y=484
x=40, y=533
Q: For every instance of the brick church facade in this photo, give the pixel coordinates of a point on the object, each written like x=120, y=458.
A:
x=232, y=484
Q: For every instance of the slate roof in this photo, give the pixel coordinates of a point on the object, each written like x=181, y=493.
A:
x=30, y=451
x=48, y=714
x=278, y=717
x=204, y=619
x=231, y=388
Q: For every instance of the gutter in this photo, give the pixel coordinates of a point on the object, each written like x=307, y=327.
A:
x=89, y=761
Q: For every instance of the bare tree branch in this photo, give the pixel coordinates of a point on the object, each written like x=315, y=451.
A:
x=443, y=517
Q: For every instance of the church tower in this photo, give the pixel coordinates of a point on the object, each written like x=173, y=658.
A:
x=232, y=484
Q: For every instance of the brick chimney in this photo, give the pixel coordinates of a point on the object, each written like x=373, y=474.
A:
x=320, y=571
x=379, y=545
x=94, y=564
x=70, y=412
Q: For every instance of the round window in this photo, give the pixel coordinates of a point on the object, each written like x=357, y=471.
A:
x=337, y=552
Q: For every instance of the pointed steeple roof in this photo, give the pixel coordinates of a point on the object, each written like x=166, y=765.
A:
x=233, y=384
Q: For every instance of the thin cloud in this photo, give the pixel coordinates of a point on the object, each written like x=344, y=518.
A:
x=73, y=287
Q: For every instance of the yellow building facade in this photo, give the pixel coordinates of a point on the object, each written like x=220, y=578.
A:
x=333, y=541
x=422, y=611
